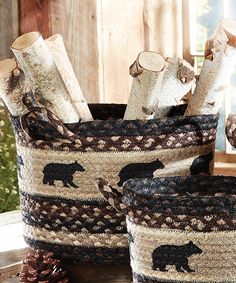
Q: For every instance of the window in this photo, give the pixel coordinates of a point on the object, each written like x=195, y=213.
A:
x=203, y=18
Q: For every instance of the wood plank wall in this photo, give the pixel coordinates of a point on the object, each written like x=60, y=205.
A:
x=9, y=28
x=103, y=37
x=77, y=21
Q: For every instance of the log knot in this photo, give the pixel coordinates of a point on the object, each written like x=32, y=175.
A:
x=135, y=69
x=16, y=77
x=184, y=74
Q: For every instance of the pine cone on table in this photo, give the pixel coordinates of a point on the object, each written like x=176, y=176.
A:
x=41, y=267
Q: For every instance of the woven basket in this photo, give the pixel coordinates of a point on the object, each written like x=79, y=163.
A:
x=230, y=129
x=62, y=208
x=181, y=229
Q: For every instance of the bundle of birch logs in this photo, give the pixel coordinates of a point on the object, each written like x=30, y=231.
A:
x=159, y=84
x=42, y=67
x=42, y=70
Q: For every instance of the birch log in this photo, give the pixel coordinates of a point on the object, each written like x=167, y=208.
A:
x=147, y=73
x=56, y=45
x=13, y=86
x=178, y=80
x=220, y=60
x=38, y=64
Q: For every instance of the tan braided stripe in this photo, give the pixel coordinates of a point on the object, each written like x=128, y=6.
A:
x=140, y=278
x=215, y=264
x=207, y=223
x=107, y=164
x=75, y=239
x=127, y=143
x=72, y=215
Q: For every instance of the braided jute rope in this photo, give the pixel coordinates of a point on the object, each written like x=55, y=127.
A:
x=160, y=251
x=68, y=214
x=108, y=164
x=75, y=239
x=96, y=255
x=215, y=264
x=51, y=118
x=139, y=278
x=230, y=129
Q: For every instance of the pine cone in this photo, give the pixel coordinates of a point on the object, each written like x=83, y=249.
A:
x=41, y=267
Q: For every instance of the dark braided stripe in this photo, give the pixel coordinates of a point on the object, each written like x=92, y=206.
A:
x=122, y=143
x=197, y=223
x=101, y=128
x=189, y=185
x=76, y=216
x=93, y=226
x=94, y=255
x=152, y=127
x=186, y=205
x=191, y=195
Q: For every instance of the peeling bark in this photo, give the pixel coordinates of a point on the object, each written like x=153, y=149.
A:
x=147, y=73
x=178, y=80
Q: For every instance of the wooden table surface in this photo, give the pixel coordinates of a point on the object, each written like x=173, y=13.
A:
x=13, y=249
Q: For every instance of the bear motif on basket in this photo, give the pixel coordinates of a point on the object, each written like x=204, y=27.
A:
x=62, y=209
x=181, y=229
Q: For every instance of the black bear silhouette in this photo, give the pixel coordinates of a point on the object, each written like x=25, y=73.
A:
x=174, y=255
x=61, y=172
x=20, y=163
x=139, y=170
x=200, y=164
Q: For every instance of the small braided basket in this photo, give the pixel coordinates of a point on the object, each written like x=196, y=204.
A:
x=181, y=229
x=62, y=209
x=230, y=129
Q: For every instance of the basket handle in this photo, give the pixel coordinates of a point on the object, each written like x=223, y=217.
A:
x=112, y=195
x=51, y=118
x=230, y=129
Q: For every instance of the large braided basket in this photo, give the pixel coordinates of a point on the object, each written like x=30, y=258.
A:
x=62, y=208
x=181, y=229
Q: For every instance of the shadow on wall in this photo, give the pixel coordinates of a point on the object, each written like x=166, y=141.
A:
x=9, y=195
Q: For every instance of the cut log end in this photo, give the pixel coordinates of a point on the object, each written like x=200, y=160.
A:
x=25, y=40
x=13, y=86
x=7, y=66
x=10, y=74
x=151, y=61
x=54, y=37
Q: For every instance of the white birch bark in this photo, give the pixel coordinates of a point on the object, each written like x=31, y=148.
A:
x=13, y=86
x=38, y=64
x=219, y=64
x=58, y=50
x=147, y=73
x=178, y=80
